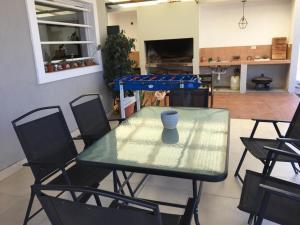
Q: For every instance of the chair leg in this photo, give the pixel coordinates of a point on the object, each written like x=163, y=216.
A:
x=27, y=215
x=271, y=168
x=236, y=174
x=295, y=168
x=250, y=220
x=128, y=183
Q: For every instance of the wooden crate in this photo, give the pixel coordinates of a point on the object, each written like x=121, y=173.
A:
x=279, y=48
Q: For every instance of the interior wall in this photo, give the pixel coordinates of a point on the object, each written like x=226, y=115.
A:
x=127, y=21
x=168, y=21
x=218, y=23
x=19, y=88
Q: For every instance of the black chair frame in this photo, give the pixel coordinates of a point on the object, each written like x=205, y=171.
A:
x=119, y=187
x=207, y=80
x=268, y=190
x=51, y=167
x=152, y=208
x=283, y=139
x=188, y=97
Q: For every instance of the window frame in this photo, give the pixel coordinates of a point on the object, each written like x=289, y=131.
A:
x=92, y=35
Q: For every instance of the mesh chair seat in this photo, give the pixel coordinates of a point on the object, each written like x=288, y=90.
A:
x=64, y=211
x=256, y=147
x=279, y=209
x=81, y=176
x=167, y=219
x=189, y=98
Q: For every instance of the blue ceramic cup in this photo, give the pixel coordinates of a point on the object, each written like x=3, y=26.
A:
x=169, y=119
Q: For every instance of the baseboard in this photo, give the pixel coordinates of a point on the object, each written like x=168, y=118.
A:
x=18, y=165
x=11, y=169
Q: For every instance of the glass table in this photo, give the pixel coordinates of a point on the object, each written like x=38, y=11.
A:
x=196, y=150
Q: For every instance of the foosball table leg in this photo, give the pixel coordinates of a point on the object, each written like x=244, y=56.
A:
x=138, y=101
x=122, y=102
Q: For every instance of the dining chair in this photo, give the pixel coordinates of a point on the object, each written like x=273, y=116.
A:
x=256, y=145
x=266, y=197
x=65, y=211
x=189, y=97
x=50, y=152
x=207, y=81
x=93, y=124
x=91, y=118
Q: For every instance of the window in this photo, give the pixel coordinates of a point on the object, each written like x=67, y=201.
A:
x=64, y=38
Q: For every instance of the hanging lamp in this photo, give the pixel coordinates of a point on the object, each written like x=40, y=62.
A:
x=243, y=21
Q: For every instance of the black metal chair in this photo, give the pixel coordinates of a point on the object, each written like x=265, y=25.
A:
x=266, y=197
x=50, y=152
x=189, y=97
x=91, y=118
x=207, y=81
x=256, y=145
x=93, y=124
x=62, y=211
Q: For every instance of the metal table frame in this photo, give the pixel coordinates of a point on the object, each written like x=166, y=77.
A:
x=197, y=179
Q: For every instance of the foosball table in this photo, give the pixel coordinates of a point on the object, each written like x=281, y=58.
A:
x=138, y=83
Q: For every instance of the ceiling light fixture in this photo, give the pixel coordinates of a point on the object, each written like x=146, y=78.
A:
x=243, y=21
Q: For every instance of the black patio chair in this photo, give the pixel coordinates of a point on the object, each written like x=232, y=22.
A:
x=50, y=152
x=91, y=118
x=256, y=145
x=93, y=124
x=265, y=197
x=62, y=211
x=207, y=81
x=189, y=97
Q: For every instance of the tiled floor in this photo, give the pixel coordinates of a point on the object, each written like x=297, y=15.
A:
x=280, y=106
x=218, y=204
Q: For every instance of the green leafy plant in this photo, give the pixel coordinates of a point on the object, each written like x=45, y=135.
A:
x=116, y=62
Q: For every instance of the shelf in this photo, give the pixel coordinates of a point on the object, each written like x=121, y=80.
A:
x=66, y=42
x=63, y=24
x=225, y=89
x=166, y=64
x=248, y=62
x=271, y=90
x=62, y=5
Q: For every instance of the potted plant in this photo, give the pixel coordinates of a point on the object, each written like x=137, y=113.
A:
x=116, y=62
x=50, y=67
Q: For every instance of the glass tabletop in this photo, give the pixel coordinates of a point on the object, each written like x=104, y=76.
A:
x=197, y=149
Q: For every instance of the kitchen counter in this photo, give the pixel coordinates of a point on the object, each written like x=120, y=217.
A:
x=247, y=62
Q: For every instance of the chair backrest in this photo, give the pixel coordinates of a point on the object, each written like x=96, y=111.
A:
x=294, y=128
x=90, y=117
x=45, y=138
x=279, y=209
x=189, y=97
x=65, y=212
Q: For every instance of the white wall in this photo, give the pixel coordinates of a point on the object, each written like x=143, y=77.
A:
x=267, y=19
x=295, y=63
x=124, y=20
x=169, y=21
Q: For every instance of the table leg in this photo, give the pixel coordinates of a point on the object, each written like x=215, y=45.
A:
x=197, y=195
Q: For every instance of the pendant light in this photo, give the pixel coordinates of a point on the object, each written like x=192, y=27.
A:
x=243, y=21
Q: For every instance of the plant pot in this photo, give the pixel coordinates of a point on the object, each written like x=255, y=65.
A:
x=129, y=110
x=50, y=68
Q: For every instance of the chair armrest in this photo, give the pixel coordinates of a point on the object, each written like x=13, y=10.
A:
x=77, y=138
x=277, y=152
x=118, y=119
x=289, y=140
x=280, y=192
x=274, y=122
x=45, y=165
x=189, y=212
x=271, y=121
